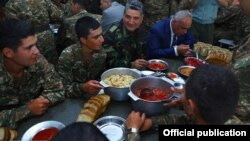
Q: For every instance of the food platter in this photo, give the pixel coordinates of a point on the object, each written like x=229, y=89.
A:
x=157, y=65
x=35, y=129
x=185, y=70
x=195, y=62
x=112, y=126
x=176, y=78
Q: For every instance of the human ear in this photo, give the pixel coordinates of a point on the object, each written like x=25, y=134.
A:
x=7, y=52
x=191, y=108
x=83, y=40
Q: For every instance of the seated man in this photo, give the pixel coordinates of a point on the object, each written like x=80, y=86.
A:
x=29, y=84
x=112, y=13
x=124, y=41
x=80, y=64
x=66, y=32
x=171, y=37
x=208, y=99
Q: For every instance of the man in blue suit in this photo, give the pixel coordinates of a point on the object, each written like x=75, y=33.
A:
x=171, y=37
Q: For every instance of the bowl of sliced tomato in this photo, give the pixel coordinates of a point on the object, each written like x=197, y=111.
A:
x=157, y=65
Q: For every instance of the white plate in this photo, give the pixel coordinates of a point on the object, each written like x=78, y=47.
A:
x=178, y=79
x=32, y=131
x=112, y=126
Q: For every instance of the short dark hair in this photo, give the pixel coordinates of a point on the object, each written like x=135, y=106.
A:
x=84, y=25
x=80, y=131
x=12, y=31
x=215, y=90
x=136, y=5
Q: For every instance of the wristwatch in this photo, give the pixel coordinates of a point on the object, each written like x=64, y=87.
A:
x=133, y=134
x=132, y=130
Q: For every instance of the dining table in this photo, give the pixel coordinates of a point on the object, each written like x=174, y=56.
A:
x=67, y=111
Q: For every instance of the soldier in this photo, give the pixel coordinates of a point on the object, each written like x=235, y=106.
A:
x=124, y=41
x=226, y=22
x=40, y=13
x=241, y=66
x=231, y=23
x=208, y=99
x=156, y=11
x=80, y=64
x=66, y=34
x=29, y=84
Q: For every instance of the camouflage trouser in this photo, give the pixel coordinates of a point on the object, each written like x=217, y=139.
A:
x=47, y=47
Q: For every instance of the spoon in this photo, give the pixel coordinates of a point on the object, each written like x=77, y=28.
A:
x=146, y=92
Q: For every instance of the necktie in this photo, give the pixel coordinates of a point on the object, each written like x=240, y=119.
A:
x=174, y=40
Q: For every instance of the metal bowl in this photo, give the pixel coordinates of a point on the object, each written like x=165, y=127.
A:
x=188, y=71
x=160, y=65
x=113, y=127
x=118, y=94
x=151, y=107
x=32, y=131
x=195, y=62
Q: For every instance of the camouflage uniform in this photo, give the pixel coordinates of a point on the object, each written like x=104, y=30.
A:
x=40, y=13
x=156, y=11
x=66, y=34
x=39, y=79
x=74, y=71
x=122, y=46
x=231, y=24
x=241, y=66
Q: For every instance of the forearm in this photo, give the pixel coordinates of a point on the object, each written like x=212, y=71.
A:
x=9, y=118
x=74, y=90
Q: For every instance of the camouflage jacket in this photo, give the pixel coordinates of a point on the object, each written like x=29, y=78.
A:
x=122, y=46
x=241, y=67
x=66, y=33
x=40, y=13
x=74, y=70
x=39, y=79
x=156, y=11
x=231, y=23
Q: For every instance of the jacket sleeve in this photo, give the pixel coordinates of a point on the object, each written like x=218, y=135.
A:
x=53, y=86
x=9, y=118
x=156, y=48
x=72, y=88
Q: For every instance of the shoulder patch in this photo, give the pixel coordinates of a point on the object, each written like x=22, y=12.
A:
x=113, y=28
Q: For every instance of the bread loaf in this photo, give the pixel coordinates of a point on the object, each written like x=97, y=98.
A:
x=213, y=54
x=7, y=134
x=93, y=108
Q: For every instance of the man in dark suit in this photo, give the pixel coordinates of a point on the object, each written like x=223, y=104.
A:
x=171, y=37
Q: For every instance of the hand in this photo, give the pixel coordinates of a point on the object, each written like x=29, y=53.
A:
x=38, y=106
x=177, y=102
x=135, y=120
x=146, y=125
x=92, y=87
x=139, y=63
x=182, y=49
